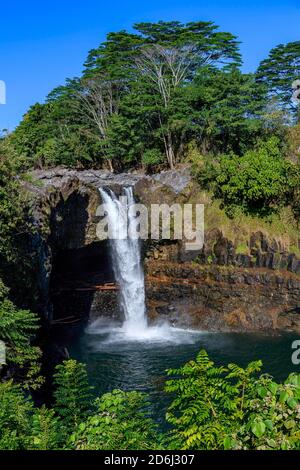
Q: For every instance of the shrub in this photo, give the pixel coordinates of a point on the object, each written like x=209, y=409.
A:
x=17, y=327
x=120, y=423
x=73, y=392
x=258, y=181
x=15, y=413
x=231, y=408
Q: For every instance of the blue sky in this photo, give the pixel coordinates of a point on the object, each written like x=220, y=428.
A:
x=42, y=43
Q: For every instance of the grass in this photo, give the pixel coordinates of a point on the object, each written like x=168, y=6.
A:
x=280, y=227
x=242, y=249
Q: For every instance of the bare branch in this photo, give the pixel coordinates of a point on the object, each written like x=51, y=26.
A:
x=98, y=101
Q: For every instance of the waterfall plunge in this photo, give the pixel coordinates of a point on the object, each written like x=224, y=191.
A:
x=126, y=262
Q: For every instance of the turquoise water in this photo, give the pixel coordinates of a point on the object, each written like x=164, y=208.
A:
x=133, y=365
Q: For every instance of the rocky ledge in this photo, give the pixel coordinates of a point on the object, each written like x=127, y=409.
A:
x=219, y=298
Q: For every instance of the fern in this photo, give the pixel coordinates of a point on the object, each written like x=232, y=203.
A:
x=208, y=402
x=17, y=328
x=15, y=417
x=46, y=432
x=73, y=393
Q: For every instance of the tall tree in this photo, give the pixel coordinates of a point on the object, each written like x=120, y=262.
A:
x=225, y=110
x=163, y=56
x=98, y=102
x=279, y=71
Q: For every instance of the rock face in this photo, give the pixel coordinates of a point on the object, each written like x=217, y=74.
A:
x=220, y=287
x=221, y=251
x=223, y=298
x=65, y=204
x=66, y=200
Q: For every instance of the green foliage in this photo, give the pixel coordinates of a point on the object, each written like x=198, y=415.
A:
x=73, y=393
x=278, y=72
x=151, y=92
x=17, y=328
x=34, y=129
x=15, y=413
x=132, y=118
x=273, y=419
x=46, y=432
x=54, y=133
x=16, y=227
x=293, y=191
x=116, y=55
x=152, y=157
x=212, y=408
x=209, y=402
x=24, y=427
x=120, y=423
x=259, y=181
x=225, y=110
x=230, y=408
x=12, y=212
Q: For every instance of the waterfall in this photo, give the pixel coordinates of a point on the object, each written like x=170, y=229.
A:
x=125, y=254
x=126, y=261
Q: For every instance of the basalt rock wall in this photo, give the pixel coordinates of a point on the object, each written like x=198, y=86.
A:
x=225, y=298
x=217, y=287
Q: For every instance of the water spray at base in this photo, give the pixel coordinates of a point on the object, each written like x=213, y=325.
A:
x=126, y=262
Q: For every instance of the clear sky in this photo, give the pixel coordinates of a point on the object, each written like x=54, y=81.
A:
x=42, y=43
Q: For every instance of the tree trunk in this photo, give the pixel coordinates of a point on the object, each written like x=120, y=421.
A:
x=110, y=165
x=169, y=150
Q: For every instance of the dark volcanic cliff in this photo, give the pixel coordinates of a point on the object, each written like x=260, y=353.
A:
x=216, y=288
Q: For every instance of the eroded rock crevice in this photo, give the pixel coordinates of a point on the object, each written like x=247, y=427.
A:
x=76, y=275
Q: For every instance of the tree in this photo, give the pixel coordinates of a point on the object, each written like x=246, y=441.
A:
x=145, y=95
x=57, y=133
x=13, y=217
x=171, y=61
x=258, y=181
x=225, y=109
x=278, y=73
x=114, y=57
x=73, y=392
x=35, y=128
x=98, y=101
x=152, y=65
x=167, y=68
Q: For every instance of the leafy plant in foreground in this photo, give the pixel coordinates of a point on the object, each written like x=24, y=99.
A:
x=209, y=402
x=73, y=393
x=46, y=430
x=120, y=423
x=17, y=327
x=273, y=417
x=230, y=408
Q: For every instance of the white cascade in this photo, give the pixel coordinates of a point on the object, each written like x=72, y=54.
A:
x=126, y=262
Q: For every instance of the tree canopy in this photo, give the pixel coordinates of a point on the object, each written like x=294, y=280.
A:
x=279, y=71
